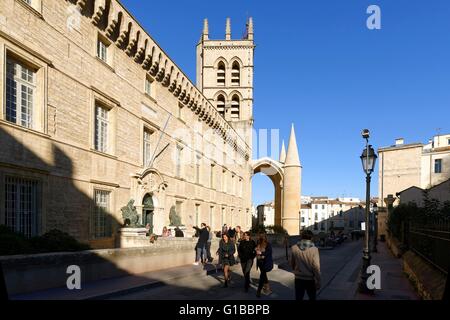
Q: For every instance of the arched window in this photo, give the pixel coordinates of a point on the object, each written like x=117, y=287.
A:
x=235, y=106
x=235, y=74
x=221, y=74
x=221, y=105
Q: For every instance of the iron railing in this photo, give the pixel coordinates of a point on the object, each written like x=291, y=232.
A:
x=431, y=240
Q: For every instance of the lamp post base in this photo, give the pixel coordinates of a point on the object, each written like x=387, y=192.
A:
x=362, y=288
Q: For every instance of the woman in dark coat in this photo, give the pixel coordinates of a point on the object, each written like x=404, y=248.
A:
x=264, y=262
x=246, y=253
x=226, y=256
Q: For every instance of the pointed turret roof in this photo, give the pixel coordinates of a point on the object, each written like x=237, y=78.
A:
x=283, y=153
x=228, y=29
x=292, y=158
x=205, y=33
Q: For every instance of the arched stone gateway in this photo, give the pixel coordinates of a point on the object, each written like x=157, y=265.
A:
x=148, y=190
x=286, y=178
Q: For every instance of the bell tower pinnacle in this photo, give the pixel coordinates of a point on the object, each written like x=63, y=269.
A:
x=225, y=76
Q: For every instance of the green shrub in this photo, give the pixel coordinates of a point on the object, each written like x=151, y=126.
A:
x=56, y=241
x=12, y=243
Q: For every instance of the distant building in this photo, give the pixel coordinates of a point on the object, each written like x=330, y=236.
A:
x=323, y=214
x=266, y=214
x=440, y=192
x=402, y=166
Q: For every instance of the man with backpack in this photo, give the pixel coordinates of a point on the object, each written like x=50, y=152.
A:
x=305, y=262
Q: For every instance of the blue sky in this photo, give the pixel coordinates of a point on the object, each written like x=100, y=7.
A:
x=318, y=66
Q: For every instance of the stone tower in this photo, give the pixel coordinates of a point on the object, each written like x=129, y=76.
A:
x=292, y=168
x=225, y=76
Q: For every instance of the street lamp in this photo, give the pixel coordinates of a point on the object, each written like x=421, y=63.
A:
x=368, y=159
x=375, y=227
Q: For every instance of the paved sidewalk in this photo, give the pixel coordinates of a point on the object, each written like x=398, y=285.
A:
x=108, y=288
x=394, y=283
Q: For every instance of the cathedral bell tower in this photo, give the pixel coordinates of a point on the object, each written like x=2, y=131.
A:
x=225, y=76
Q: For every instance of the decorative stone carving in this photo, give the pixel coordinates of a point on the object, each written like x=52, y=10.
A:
x=130, y=215
x=174, y=218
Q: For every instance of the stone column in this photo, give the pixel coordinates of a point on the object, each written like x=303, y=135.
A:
x=292, y=188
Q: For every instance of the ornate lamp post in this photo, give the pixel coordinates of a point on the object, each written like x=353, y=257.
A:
x=368, y=159
x=375, y=228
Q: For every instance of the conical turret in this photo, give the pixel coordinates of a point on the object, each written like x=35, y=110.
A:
x=283, y=153
x=250, y=29
x=205, y=34
x=292, y=158
x=228, y=30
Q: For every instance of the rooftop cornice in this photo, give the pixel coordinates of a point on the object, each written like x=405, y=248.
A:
x=125, y=31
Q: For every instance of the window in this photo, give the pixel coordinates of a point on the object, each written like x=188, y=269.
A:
x=221, y=74
x=240, y=187
x=211, y=217
x=22, y=205
x=233, y=185
x=148, y=86
x=448, y=142
x=211, y=177
x=323, y=207
x=316, y=217
x=147, y=148
x=101, y=219
x=197, y=169
x=20, y=93
x=235, y=107
x=197, y=215
x=438, y=166
x=221, y=105
x=317, y=206
x=178, y=156
x=102, y=50
x=223, y=217
x=101, y=128
x=235, y=74
x=224, y=181
x=35, y=4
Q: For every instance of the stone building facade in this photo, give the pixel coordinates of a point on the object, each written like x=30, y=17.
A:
x=402, y=166
x=95, y=114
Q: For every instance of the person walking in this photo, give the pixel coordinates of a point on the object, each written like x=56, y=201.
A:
x=305, y=262
x=224, y=229
x=239, y=234
x=264, y=263
x=232, y=234
x=203, y=236
x=208, y=244
x=246, y=254
x=226, y=256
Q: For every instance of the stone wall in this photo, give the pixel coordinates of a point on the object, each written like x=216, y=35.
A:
x=427, y=280
x=59, y=150
x=29, y=273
